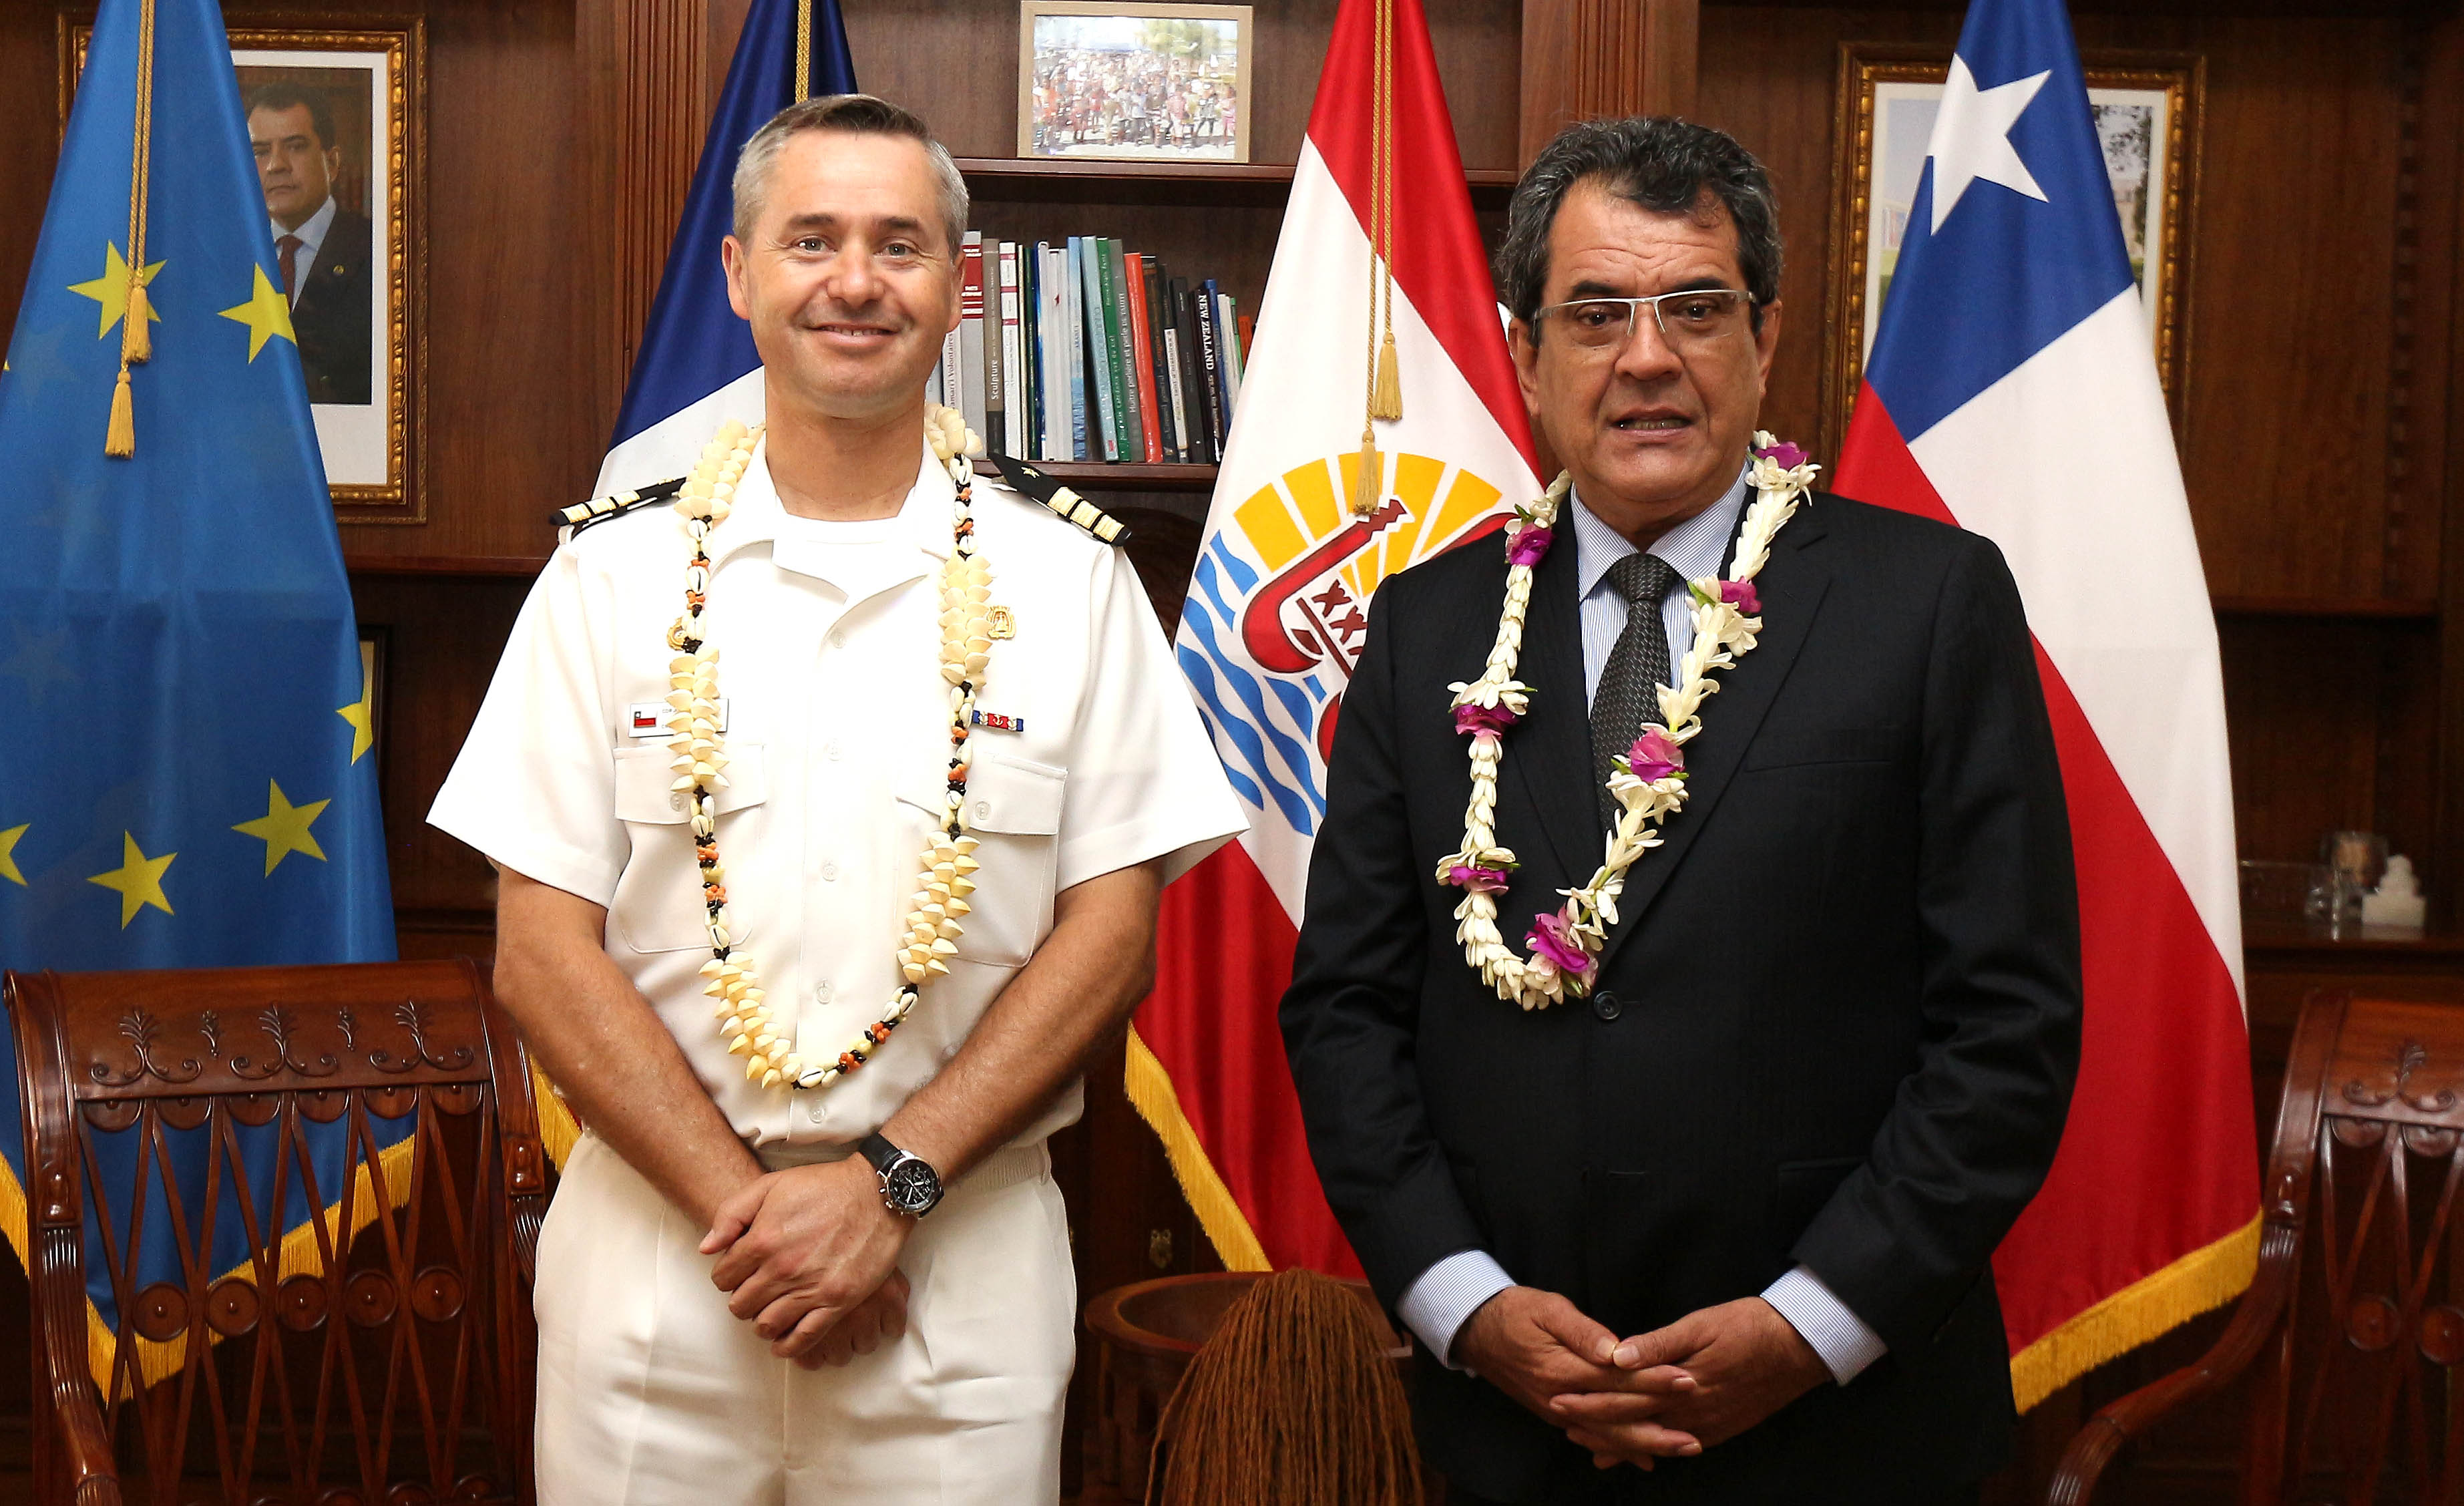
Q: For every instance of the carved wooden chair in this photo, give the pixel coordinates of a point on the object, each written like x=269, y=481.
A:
x=2350, y=1338
x=382, y=1351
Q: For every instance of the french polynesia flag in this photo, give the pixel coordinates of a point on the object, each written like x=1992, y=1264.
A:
x=1277, y=607
x=2013, y=390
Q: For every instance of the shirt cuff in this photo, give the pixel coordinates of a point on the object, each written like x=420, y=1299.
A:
x=1443, y=1298
x=1838, y=1336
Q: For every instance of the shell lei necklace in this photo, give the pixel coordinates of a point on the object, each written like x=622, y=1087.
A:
x=929, y=934
x=1649, y=781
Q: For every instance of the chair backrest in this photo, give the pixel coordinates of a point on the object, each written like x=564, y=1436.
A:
x=2351, y=1397
x=315, y=1193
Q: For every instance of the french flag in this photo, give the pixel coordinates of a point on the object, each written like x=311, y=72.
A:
x=2013, y=390
x=695, y=368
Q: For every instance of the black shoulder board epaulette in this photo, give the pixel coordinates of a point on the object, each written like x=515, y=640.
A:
x=1028, y=482
x=598, y=509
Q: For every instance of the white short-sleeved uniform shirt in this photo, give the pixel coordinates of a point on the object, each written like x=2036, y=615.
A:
x=837, y=723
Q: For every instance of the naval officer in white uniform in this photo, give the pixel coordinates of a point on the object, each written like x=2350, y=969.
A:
x=732, y=1306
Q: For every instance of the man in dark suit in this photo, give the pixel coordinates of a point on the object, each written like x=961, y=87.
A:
x=1725, y=1215
x=321, y=249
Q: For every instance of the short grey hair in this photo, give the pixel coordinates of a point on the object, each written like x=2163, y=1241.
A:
x=853, y=115
x=1664, y=164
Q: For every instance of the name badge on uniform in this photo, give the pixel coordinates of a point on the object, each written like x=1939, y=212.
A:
x=997, y=721
x=648, y=719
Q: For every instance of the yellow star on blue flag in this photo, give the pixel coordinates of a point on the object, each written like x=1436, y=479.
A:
x=111, y=289
x=267, y=312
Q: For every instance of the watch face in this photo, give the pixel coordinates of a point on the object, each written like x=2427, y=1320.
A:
x=911, y=1185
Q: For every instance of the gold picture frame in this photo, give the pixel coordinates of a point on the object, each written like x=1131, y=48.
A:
x=2154, y=103
x=1135, y=82
x=370, y=80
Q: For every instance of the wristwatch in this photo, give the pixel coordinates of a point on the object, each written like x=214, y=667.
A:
x=909, y=1184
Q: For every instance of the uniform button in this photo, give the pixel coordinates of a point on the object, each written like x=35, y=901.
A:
x=676, y=801
x=830, y=872
x=830, y=751
x=838, y=640
x=822, y=991
x=1605, y=1005
x=983, y=810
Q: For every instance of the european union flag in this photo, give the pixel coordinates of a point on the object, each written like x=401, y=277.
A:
x=189, y=784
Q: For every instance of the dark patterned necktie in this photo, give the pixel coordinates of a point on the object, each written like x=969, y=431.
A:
x=1636, y=667
x=289, y=249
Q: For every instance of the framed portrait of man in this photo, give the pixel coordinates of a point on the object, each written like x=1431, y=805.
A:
x=335, y=121
x=2146, y=107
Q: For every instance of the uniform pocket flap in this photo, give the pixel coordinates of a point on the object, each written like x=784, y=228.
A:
x=1015, y=795
x=646, y=792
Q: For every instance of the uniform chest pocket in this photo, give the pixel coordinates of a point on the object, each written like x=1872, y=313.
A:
x=1014, y=812
x=658, y=905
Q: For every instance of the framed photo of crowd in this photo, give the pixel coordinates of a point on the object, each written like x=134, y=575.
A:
x=1133, y=82
x=335, y=119
x=2147, y=118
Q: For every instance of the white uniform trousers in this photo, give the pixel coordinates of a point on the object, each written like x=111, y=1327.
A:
x=652, y=1393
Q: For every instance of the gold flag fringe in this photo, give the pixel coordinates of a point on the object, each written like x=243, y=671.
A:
x=2203, y=1279
x=1227, y=1229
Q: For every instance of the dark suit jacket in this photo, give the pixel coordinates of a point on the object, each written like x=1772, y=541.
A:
x=1837, y=1024
x=331, y=317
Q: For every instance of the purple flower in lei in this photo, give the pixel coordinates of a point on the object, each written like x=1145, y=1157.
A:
x=1741, y=596
x=1473, y=879
x=1474, y=720
x=1787, y=457
x=1553, y=937
x=1654, y=757
x=1529, y=545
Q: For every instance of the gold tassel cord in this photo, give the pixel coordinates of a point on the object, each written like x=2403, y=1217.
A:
x=1368, y=474
x=1383, y=400
x=804, y=49
x=136, y=337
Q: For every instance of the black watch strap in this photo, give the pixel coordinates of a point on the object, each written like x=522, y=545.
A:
x=877, y=1149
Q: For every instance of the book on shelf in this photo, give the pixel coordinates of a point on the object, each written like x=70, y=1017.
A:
x=1085, y=350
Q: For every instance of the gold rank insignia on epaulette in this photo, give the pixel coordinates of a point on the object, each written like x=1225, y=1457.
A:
x=573, y=519
x=1028, y=482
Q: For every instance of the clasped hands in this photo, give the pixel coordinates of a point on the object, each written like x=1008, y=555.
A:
x=1674, y=1391
x=810, y=1257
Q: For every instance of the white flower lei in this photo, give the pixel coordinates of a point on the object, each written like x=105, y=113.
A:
x=1727, y=620
x=932, y=928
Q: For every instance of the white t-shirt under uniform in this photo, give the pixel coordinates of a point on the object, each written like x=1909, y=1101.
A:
x=837, y=723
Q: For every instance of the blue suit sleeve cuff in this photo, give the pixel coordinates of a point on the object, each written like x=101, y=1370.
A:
x=1442, y=1299
x=1838, y=1336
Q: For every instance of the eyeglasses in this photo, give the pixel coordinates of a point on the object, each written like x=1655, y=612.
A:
x=1689, y=321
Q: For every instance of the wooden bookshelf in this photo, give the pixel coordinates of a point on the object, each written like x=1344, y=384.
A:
x=1080, y=180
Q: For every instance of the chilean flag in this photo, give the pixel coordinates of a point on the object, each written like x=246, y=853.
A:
x=2013, y=390
x=1278, y=604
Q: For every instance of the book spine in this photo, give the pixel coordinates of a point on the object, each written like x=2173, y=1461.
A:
x=1008, y=375
x=1141, y=342
x=1125, y=354
x=1180, y=394
x=1210, y=367
x=1026, y=424
x=1218, y=395
x=1104, y=328
x=1236, y=351
x=1103, y=421
x=1158, y=361
x=1085, y=444
x=970, y=370
x=1052, y=301
x=1193, y=382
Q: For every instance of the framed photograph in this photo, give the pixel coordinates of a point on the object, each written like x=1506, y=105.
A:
x=336, y=117
x=1148, y=83
x=2147, y=116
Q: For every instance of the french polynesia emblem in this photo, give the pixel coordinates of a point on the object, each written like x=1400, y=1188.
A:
x=1278, y=609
